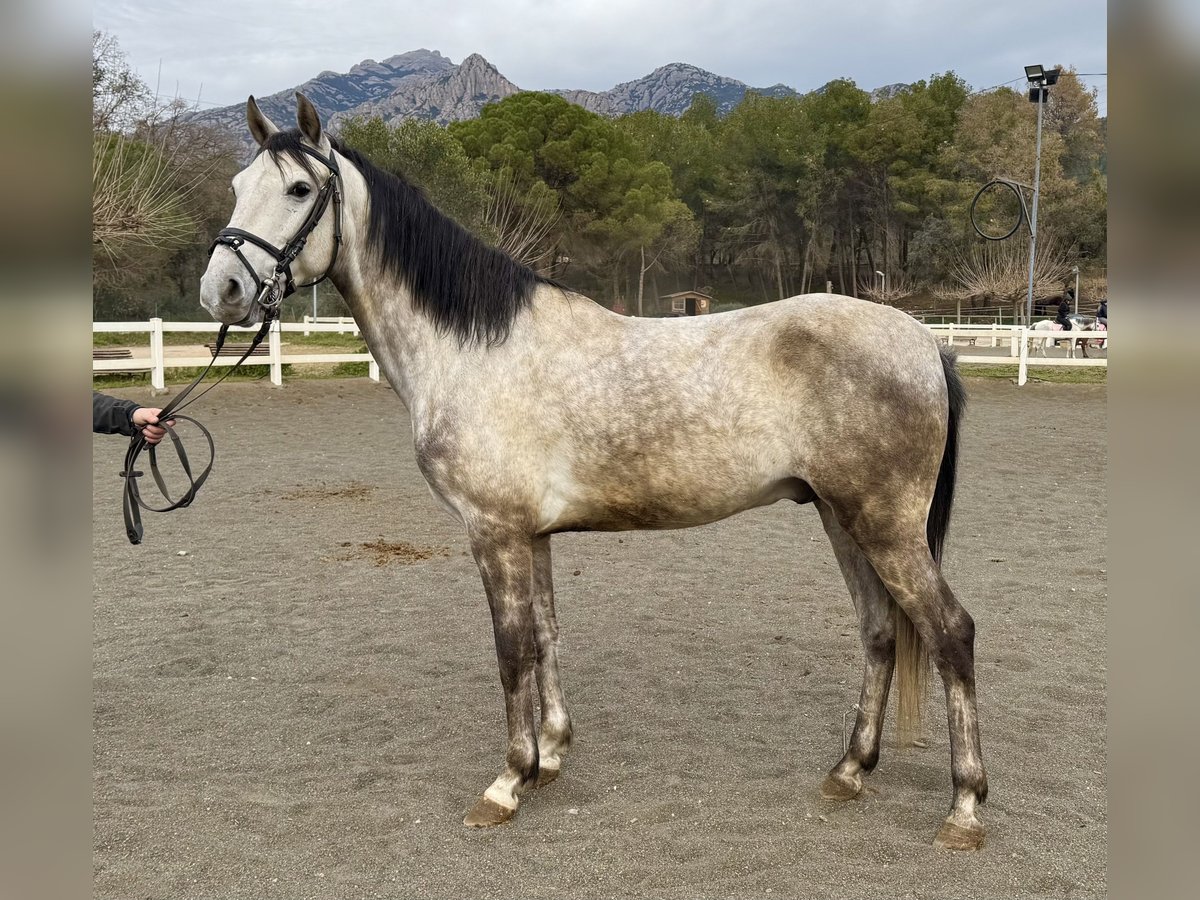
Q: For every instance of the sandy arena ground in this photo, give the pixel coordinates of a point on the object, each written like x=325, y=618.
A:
x=296, y=691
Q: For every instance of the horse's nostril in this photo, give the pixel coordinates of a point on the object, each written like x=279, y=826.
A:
x=232, y=291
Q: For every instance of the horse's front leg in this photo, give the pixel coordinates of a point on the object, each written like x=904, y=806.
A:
x=554, y=736
x=505, y=558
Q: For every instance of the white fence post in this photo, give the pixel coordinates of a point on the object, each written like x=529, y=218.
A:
x=307, y=319
x=158, y=376
x=1023, y=365
x=276, y=349
x=373, y=369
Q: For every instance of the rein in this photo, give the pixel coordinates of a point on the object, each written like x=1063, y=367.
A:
x=270, y=294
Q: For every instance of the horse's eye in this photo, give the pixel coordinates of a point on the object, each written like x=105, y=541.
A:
x=299, y=189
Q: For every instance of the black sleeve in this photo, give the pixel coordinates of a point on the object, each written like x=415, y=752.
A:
x=112, y=416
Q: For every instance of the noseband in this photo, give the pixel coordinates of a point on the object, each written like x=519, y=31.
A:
x=270, y=291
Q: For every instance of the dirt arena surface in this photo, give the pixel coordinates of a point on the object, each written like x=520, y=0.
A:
x=296, y=693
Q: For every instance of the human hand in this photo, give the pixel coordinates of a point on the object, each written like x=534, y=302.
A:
x=146, y=418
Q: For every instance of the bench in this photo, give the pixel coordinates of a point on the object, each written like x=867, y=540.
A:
x=112, y=353
x=239, y=349
x=104, y=353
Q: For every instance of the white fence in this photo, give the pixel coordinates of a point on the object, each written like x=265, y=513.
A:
x=1018, y=339
x=1015, y=337
x=346, y=324
x=276, y=359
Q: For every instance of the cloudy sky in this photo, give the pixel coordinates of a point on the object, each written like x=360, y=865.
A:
x=223, y=52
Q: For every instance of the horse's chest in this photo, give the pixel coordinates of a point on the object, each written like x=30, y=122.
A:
x=470, y=469
x=438, y=457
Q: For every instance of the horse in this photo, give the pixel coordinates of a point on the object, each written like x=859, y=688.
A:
x=536, y=411
x=1073, y=338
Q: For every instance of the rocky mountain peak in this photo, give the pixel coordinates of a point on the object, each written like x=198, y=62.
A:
x=424, y=84
x=449, y=95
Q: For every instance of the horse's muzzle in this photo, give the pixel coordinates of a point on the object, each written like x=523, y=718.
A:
x=225, y=297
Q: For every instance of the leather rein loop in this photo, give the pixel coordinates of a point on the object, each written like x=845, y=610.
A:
x=269, y=295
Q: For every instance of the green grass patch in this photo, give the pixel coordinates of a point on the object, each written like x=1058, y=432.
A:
x=349, y=370
x=1047, y=374
x=350, y=343
x=142, y=338
x=244, y=372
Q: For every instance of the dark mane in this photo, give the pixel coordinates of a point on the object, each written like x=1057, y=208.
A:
x=465, y=286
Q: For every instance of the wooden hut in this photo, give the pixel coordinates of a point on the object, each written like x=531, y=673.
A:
x=689, y=303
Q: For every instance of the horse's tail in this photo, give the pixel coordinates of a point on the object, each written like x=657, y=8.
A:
x=912, y=658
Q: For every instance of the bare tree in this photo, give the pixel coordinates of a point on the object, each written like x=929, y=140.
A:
x=520, y=222
x=135, y=201
x=120, y=99
x=894, y=288
x=147, y=163
x=999, y=271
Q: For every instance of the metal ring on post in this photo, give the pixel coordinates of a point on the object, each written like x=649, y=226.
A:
x=1022, y=215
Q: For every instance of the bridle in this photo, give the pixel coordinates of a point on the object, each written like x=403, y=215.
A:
x=270, y=292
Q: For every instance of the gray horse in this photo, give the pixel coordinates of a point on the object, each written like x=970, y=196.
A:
x=536, y=411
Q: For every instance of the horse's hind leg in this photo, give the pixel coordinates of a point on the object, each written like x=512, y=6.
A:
x=554, y=736
x=877, y=626
x=907, y=569
x=505, y=559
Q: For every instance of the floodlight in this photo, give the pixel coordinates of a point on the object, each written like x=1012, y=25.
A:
x=1034, y=73
x=1052, y=76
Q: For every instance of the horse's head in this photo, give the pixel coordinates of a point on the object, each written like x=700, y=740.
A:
x=284, y=230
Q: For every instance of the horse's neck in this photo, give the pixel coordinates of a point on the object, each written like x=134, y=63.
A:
x=432, y=371
x=402, y=340
x=424, y=366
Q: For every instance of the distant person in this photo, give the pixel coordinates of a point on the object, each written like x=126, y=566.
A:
x=1102, y=313
x=113, y=416
x=1064, y=311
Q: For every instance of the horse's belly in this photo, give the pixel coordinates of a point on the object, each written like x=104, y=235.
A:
x=629, y=506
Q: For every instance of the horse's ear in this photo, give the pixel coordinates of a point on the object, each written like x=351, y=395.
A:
x=308, y=119
x=261, y=127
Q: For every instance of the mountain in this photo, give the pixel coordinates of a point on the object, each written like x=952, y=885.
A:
x=456, y=93
x=335, y=92
x=887, y=92
x=423, y=84
x=669, y=89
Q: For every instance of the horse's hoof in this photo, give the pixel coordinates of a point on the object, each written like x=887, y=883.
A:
x=487, y=813
x=547, y=775
x=840, y=787
x=957, y=837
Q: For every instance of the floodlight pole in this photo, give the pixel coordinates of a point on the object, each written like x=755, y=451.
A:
x=1037, y=178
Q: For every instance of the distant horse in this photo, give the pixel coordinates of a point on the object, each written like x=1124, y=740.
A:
x=536, y=411
x=1051, y=332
